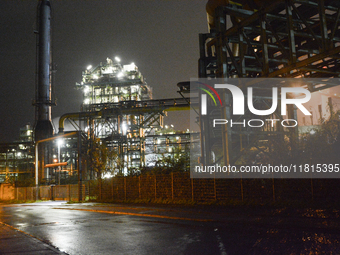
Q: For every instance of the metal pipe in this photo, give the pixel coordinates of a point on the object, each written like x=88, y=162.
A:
x=43, y=101
x=75, y=115
x=37, y=156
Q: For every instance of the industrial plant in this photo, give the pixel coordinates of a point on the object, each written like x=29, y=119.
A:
x=246, y=39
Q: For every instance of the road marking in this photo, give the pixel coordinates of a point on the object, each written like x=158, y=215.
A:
x=137, y=214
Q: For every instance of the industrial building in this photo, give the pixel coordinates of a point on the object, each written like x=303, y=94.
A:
x=118, y=109
x=265, y=39
x=246, y=39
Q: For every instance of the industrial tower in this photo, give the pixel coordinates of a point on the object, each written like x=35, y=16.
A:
x=118, y=108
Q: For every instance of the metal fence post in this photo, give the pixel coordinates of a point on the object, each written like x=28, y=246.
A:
x=242, y=189
x=192, y=189
x=139, y=191
x=172, y=185
x=155, y=187
x=273, y=190
x=215, y=195
x=124, y=188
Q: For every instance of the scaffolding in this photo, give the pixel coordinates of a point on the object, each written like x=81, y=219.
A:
x=118, y=108
x=265, y=39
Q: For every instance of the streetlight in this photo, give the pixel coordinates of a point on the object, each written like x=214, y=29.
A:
x=59, y=142
x=37, y=156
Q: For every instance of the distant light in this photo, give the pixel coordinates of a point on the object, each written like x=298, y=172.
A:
x=166, y=126
x=107, y=175
x=312, y=132
x=172, y=125
x=86, y=101
x=60, y=142
x=89, y=67
x=96, y=77
x=124, y=127
x=86, y=89
x=117, y=59
x=120, y=75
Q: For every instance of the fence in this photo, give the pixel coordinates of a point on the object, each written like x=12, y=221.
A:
x=58, y=192
x=180, y=187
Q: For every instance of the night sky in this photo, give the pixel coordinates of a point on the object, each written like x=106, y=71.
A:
x=160, y=37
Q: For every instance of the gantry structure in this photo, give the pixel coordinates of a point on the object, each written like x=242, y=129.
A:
x=264, y=39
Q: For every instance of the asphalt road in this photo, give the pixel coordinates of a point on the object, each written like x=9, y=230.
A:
x=139, y=229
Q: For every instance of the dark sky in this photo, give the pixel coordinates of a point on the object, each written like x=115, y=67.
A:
x=160, y=37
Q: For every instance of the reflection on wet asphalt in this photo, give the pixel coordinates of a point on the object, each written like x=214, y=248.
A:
x=90, y=232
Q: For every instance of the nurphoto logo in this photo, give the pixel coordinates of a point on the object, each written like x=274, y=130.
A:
x=238, y=104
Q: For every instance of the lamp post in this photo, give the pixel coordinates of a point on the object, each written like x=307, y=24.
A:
x=36, y=158
x=60, y=142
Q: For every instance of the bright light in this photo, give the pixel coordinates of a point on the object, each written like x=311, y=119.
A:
x=130, y=68
x=120, y=75
x=95, y=77
x=86, y=101
x=107, y=175
x=60, y=142
x=124, y=127
x=89, y=67
x=86, y=89
x=312, y=132
x=117, y=59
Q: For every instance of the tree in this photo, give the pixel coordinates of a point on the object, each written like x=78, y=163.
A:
x=100, y=159
x=176, y=161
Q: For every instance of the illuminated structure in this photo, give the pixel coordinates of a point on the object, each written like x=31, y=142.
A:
x=118, y=108
x=17, y=158
x=275, y=39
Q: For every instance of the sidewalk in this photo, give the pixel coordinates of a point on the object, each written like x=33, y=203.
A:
x=13, y=241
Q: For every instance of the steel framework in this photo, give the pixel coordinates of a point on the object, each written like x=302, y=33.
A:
x=267, y=39
x=118, y=108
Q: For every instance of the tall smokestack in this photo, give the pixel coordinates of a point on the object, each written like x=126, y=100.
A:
x=43, y=100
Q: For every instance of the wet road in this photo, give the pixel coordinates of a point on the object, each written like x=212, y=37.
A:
x=97, y=229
